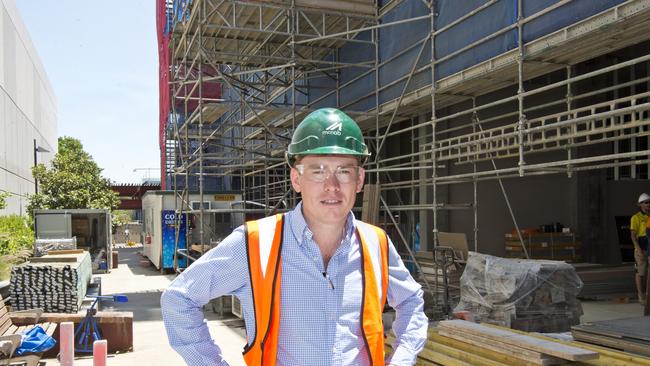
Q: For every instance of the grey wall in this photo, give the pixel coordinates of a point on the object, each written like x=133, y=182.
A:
x=535, y=201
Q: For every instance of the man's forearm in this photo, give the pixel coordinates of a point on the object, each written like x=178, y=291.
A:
x=410, y=328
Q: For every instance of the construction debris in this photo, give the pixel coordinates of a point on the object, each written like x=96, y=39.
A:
x=54, y=283
x=530, y=295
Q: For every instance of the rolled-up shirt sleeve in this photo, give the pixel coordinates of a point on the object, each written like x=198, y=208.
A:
x=221, y=271
x=410, y=324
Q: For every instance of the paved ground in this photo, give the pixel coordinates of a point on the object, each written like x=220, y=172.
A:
x=144, y=284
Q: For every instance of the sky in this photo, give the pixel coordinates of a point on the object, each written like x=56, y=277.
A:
x=101, y=58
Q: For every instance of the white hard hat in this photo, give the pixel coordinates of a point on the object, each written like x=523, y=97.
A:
x=644, y=197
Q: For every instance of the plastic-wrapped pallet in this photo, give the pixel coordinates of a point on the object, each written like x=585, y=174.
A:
x=43, y=246
x=529, y=295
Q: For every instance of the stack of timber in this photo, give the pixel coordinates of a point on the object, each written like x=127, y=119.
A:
x=629, y=335
x=529, y=295
x=56, y=283
x=440, y=294
x=520, y=346
x=442, y=350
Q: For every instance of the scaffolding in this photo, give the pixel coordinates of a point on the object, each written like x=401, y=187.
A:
x=539, y=107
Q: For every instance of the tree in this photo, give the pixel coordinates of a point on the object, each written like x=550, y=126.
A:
x=3, y=197
x=119, y=218
x=74, y=181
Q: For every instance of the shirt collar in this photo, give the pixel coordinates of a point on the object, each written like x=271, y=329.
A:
x=301, y=230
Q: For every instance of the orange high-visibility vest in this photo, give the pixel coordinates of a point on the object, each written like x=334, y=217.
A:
x=264, y=249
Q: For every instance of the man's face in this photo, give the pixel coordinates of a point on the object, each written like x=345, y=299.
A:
x=328, y=185
x=645, y=206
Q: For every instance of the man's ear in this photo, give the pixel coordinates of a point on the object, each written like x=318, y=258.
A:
x=295, y=182
x=362, y=176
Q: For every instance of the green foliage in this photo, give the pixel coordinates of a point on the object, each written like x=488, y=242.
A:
x=74, y=181
x=15, y=234
x=3, y=197
x=16, y=243
x=120, y=217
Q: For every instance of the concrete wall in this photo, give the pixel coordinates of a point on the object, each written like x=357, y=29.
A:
x=535, y=200
x=588, y=203
x=27, y=109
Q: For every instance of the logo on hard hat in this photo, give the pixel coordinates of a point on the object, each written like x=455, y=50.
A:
x=333, y=129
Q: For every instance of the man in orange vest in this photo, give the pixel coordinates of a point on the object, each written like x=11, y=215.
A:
x=312, y=282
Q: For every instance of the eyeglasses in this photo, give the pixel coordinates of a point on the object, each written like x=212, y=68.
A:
x=320, y=173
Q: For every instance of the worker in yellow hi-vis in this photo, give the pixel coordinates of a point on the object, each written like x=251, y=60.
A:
x=638, y=225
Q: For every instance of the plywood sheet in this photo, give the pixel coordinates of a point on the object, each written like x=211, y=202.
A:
x=637, y=328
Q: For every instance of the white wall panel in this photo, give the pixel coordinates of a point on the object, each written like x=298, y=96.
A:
x=27, y=109
x=3, y=134
x=3, y=180
x=2, y=50
x=35, y=101
x=9, y=58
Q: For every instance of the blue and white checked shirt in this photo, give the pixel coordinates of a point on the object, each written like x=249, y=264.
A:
x=319, y=322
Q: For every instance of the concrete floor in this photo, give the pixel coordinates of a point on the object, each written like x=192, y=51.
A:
x=609, y=310
x=144, y=284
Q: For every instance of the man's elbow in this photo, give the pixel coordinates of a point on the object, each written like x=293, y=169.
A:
x=166, y=304
x=170, y=303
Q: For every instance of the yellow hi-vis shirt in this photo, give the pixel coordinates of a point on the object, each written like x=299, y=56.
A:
x=638, y=223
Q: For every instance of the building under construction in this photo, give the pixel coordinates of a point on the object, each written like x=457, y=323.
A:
x=483, y=117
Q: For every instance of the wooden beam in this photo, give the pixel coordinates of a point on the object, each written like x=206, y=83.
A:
x=502, y=335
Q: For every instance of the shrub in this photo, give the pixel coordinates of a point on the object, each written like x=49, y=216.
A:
x=3, y=199
x=15, y=234
x=16, y=239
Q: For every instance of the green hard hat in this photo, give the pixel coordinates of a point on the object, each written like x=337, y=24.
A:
x=327, y=131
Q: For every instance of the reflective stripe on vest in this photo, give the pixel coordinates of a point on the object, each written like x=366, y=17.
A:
x=264, y=242
x=374, y=254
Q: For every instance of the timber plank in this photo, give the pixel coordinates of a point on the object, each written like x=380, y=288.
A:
x=608, y=356
x=441, y=359
x=435, y=340
x=106, y=317
x=5, y=320
x=540, y=345
x=511, y=350
x=64, y=251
